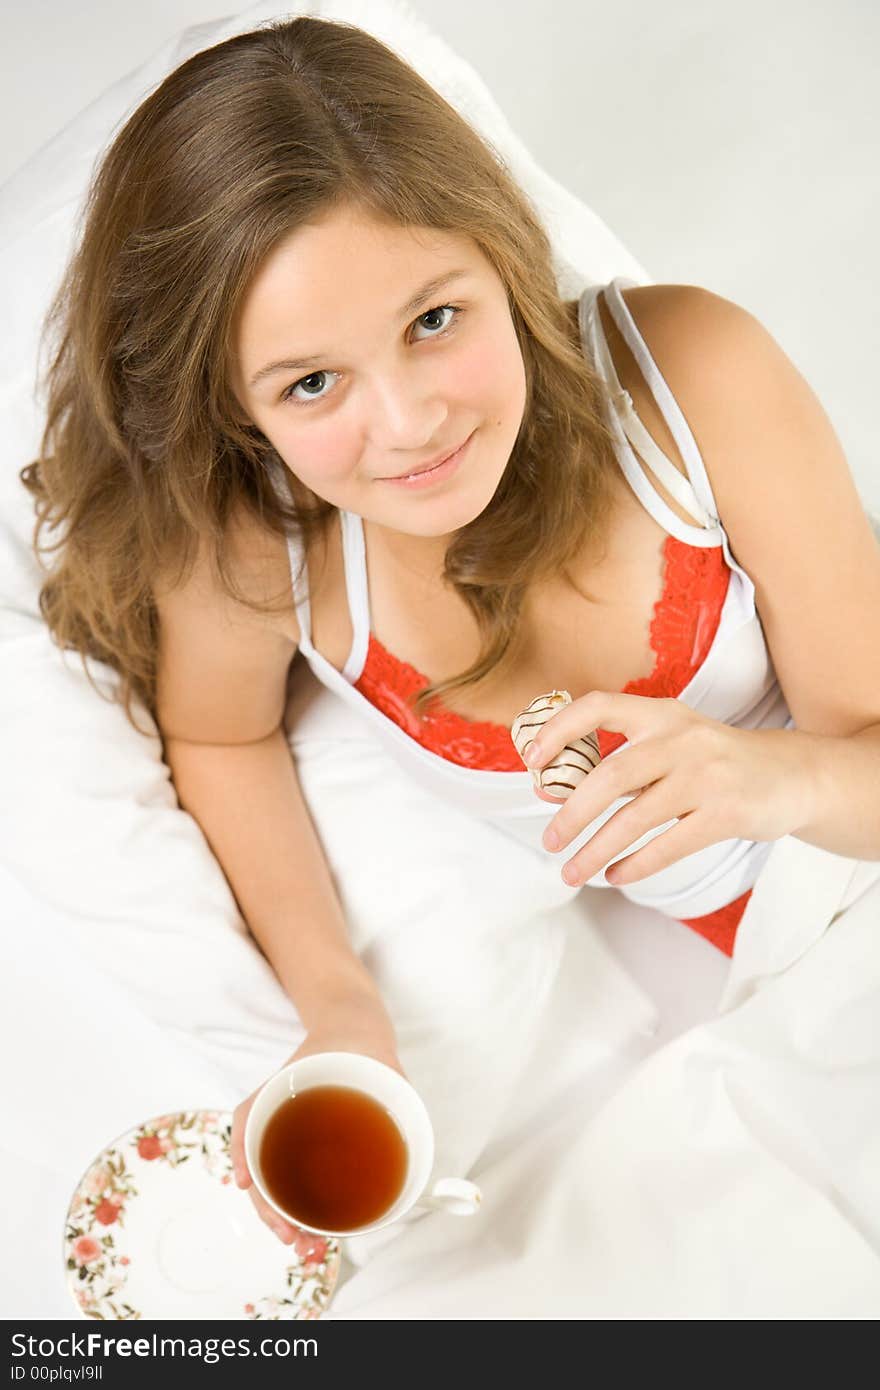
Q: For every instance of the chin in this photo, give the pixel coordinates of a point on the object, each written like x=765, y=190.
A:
x=457, y=510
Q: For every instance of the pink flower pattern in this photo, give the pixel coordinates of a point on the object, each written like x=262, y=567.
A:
x=107, y=1211
x=98, y=1268
x=85, y=1250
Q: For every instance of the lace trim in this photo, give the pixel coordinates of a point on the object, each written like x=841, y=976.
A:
x=386, y=681
x=685, y=621
x=683, y=628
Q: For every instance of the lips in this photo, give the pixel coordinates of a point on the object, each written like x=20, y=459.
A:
x=426, y=467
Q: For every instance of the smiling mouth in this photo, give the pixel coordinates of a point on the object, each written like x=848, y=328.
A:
x=428, y=468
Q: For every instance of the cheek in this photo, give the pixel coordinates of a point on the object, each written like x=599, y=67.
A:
x=490, y=375
x=321, y=456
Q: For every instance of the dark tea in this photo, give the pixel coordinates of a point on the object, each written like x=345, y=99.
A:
x=333, y=1157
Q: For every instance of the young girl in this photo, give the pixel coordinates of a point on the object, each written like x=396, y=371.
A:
x=316, y=391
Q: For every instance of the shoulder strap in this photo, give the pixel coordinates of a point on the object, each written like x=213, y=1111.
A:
x=662, y=467
x=666, y=403
x=355, y=561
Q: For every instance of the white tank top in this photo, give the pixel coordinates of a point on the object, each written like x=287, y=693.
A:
x=736, y=684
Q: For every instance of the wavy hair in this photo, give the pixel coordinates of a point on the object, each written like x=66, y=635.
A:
x=145, y=454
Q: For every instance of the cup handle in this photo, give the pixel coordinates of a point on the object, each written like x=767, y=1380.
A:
x=455, y=1195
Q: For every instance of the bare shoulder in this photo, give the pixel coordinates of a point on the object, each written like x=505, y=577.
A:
x=260, y=568
x=677, y=320
x=222, y=666
x=260, y=563
x=706, y=348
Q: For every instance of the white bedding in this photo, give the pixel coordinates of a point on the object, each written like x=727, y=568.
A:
x=641, y=1152
x=658, y=1132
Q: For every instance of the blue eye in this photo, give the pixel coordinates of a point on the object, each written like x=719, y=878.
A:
x=287, y=395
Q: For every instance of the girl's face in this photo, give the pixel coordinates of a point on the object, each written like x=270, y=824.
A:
x=356, y=377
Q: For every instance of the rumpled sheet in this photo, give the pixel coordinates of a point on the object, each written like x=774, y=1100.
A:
x=648, y=1146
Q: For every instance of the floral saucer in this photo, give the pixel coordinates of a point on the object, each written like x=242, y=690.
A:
x=158, y=1229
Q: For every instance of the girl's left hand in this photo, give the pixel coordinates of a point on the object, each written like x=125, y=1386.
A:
x=721, y=783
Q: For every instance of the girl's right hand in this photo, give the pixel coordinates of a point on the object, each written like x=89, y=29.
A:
x=362, y=1026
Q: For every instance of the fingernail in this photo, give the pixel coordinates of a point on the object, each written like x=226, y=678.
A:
x=550, y=839
x=532, y=756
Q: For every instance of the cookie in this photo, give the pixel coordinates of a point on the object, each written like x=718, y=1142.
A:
x=572, y=764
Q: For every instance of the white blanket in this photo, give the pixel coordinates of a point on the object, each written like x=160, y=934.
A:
x=656, y=1132
x=632, y=1165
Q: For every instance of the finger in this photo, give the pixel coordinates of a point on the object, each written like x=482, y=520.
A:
x=689, y=835
x=545, y=796
x=236, y=1143
x=600, y=709
x=630, y=773
x=284, y=1230
x=647, y=812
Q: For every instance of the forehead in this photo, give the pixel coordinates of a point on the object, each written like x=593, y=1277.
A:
x=328, y=276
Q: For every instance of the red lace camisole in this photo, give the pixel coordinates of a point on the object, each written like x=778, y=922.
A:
x=683, y=628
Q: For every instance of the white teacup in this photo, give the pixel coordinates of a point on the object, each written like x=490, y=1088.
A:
x=400, y=1099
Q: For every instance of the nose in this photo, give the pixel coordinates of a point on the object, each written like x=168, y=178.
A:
x=406, y=416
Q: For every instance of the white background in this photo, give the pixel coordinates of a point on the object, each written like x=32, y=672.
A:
x=732, y=146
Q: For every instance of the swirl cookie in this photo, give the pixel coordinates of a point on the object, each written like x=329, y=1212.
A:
x=570, y=766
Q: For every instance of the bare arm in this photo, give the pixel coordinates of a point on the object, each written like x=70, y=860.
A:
x=247, y=799
x=221, y=693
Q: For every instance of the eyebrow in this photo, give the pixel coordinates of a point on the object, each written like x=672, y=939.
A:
x=288, y=364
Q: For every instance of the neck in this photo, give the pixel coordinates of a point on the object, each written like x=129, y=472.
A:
x=419, y=559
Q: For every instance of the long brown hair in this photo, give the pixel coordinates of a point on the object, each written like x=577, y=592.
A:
x=145, y=453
